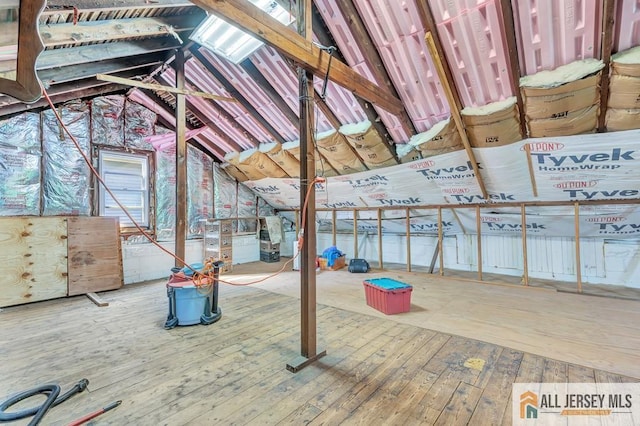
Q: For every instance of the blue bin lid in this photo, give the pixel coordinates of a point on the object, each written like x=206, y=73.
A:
x=387, y=283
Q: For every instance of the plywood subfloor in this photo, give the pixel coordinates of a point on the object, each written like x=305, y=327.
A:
x=598, y=332
x=377, y=371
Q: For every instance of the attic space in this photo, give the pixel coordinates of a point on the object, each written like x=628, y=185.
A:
x=320, y=212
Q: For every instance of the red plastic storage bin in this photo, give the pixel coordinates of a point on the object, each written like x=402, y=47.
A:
x=387, y=295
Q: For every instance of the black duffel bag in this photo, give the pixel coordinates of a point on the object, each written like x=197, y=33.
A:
x=358, y=266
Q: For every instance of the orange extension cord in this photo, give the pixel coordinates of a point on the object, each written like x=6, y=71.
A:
x=198, y=277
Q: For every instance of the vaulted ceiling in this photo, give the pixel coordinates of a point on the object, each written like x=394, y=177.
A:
x=485, y=46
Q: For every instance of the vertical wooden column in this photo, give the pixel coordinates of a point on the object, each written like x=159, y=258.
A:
x=525, y=259
x=380, y=239
x=355, y=233
x=479, y=232
x=308, y=334
x=440, y=248
x=334, y=223
x=578, y=261
x=408, y=240
x=181, y=162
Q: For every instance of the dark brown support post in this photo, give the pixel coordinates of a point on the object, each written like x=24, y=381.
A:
x=514, y=64
x=308, y=334
x=181, y=162
x=605, y=53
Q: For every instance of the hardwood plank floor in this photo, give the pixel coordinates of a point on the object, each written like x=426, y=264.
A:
x=597, y=332
x=377, y=370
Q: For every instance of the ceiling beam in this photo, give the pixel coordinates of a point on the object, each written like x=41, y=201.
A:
x=230, y=88
x=54, y=58
x=59, y=98
x=302, y=51
x=608, y=18
x=514, y=63
x=101, y=5
x=268, y=89
x=78, y=72
x=372, y=57
x=116, y=29
x=171, y=89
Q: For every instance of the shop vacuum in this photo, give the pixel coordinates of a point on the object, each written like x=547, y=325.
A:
x=193, y=295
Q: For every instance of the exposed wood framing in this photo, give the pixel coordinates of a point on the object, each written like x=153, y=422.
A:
x=211, y=146
x=455, y=113
x=78, y=72
x=116, y=29
x=214, y=127
x=294, y=46
x=525, y=259
x=269, y=90
x=160, y=87
x=181, y=163
x=232, y=120
x=479, y=242
x=577, y=233
x=372, y=57
x=308, y=305
x=101, y=5
x=320, y=30
x=102, y=52
x=60, y=94
x=229, y=87
x=408, y=237
x=429, y=24
x=514, y=63
x=608, y=19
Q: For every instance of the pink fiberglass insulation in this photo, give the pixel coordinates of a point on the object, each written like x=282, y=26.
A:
x=254, y=94
x=398, y=34
x=212, y=113
x=555, y=33
x=354, y=57
x=474, y=43
x=627, y=31
x=207, y=83
x=284, y=81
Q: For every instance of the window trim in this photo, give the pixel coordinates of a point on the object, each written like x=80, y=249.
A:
x=148, y=179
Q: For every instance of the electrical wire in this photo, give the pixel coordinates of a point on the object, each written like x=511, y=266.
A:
x=197, y=275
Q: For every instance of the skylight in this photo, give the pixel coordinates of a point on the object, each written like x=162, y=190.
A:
x=230, y=42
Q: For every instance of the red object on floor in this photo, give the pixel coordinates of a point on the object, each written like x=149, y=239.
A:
x=387, y=295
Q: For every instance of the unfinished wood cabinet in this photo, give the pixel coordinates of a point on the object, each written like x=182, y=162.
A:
x=49, y=257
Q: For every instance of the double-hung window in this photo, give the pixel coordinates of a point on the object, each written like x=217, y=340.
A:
x=127, y=176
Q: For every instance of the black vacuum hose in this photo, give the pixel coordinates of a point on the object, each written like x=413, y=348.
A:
x=52, y=392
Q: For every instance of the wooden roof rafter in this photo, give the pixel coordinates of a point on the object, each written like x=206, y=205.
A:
x=608, y=19
x=250, y=68
x=372, y=57
x=233, y=92
x=302, y=51
x=205, y=119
